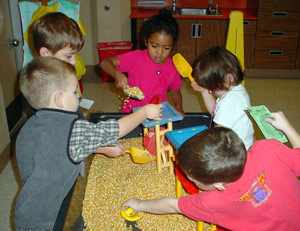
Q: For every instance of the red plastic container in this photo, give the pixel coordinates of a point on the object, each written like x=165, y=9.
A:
x=110, y=49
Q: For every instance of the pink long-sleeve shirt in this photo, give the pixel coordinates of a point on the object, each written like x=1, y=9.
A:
x=150, y=77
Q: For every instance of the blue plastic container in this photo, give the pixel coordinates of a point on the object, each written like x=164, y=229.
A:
x=178, y=137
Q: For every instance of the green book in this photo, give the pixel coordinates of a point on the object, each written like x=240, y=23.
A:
x=259, y=114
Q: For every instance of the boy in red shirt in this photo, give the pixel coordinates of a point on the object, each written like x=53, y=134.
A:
x=258, y=190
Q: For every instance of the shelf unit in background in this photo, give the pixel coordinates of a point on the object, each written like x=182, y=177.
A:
x=277, y=36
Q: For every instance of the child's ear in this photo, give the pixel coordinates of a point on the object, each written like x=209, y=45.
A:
x=58, y=99
x=229, y=79
x=44, y=52
x=219, y=186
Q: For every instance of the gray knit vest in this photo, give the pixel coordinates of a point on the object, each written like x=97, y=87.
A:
x=45, y=167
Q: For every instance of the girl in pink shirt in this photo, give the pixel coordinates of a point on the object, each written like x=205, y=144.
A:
x=152, y=69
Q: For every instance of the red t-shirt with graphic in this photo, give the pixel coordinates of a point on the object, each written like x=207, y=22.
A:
x=266, y=197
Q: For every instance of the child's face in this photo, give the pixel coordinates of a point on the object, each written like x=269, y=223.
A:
x=229, y=84
x=218, y=93
x=67, y=54
x=205, y=187
x=159, y=47
x=70, y=97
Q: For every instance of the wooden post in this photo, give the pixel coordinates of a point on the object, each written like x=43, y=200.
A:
x=158, y=152
x=164, y=153
x=178, y=187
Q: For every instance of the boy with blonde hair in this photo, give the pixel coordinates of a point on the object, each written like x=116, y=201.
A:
x=55, y=140
x=55, y=34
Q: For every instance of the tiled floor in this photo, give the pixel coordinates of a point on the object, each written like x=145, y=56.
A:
x=276, y=94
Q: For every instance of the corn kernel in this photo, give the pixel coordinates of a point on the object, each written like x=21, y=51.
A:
x=113, y=180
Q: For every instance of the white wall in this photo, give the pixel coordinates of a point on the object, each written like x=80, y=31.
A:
x=104, y=25
x=87, y=52
x=8, y=69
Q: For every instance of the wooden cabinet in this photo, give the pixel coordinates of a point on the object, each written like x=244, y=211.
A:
x=277, y=36
x=280, y=5
x=136, y=33
x=198, y=35
x=249, y=42
x=192, y=43
x=298, y=59
x=195, y=36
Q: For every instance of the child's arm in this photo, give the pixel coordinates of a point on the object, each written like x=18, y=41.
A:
x=87, y=138
x=209, y=99
x=177, y=100
x=131, y=121
x=280, y=122
x=159, y=206
x=111, y=151
x=109, y=66
x=127, y=124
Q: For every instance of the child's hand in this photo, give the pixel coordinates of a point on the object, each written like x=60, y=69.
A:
x=180, y=110
x=279, y=121
x=154, y=111
x=132, y=203
x=112, y=151
x=196, y=87
x=121, y=80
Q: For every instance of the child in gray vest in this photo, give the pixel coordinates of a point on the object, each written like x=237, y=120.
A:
x=55, y=140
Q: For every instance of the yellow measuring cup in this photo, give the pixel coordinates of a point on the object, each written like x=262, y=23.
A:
x=137, y=155
x=183, y=67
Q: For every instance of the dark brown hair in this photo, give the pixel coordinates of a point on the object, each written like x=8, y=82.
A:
x=214, y=155
x=56, y=31
x=162, y=22
x=213, y=66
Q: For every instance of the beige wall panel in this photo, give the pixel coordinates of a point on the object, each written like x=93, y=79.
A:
x=88, y=50
x=8, y=70
x=5, y=138
x=113, y=24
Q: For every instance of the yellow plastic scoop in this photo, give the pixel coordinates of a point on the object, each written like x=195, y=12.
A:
x=183, y=67
x=134, y=92
x=131, y=215
x=139, y=155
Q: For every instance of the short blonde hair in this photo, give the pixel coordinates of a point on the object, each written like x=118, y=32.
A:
x=43, y=77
